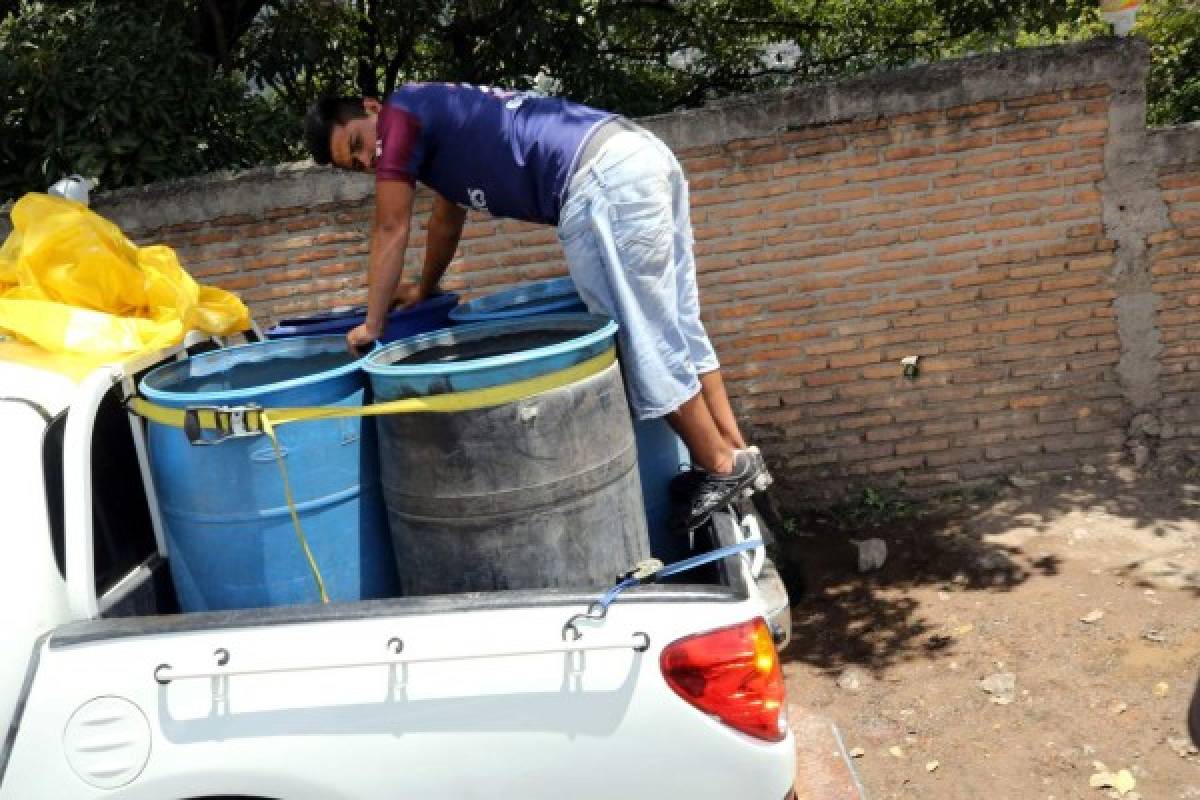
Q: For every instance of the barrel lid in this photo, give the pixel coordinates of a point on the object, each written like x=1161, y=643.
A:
x=292, y=366
x=581, y=331
x=340, y=313
x=550, y=296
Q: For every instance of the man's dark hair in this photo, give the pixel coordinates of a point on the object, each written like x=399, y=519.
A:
x=321, y=119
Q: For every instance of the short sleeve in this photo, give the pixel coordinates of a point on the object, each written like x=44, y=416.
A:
x=398, y=146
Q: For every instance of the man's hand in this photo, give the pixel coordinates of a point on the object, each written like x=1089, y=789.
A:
x=407, y=295
x=360, y=339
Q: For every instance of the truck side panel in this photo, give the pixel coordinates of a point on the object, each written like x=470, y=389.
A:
x=462, y=721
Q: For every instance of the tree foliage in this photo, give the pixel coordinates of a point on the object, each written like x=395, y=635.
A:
x=1173, y=28
x=634, y=56
x=121, y=92
x=132, y=92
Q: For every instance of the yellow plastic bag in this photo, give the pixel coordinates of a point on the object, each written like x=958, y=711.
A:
x=71, y=282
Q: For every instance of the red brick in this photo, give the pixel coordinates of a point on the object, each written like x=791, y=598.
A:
x=1000, y=119
x=266, y=262
x=1068, y=248
x=1047, y=148
x=904, y=253
x=1184, y=180
x=920, y=287
x=341, y=269
x=1103, y=261
x=289, y=211
x=973, y=110
x=829, y=378
x=960, y=246
x=1035, y=100
x=238, y=282
x=847, y=195
x=1090, y=229
x=959, y=213
x=975, y=142
x=890, y=307
x=707, y=164
x=834, y=346
x=1021, y=304
x=905, y=187
x=870, y=209
x=1046, y=113
x=1007, y=451
x=1070, y=282
x=1023, y=135
x=1029, y=235
x=304, y=224
x=1097, y=328
x=1084, y=125
x=856, y=359
x=819, y=147
x=943, y=231
x=922, y=445
x=1036, y=270
x=316, y=255
x=959, y=179
x=1009, y=290
x=915, y=320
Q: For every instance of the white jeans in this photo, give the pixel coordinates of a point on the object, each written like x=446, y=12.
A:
x=627, y=235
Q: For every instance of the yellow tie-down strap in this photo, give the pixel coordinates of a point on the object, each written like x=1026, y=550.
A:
x=265, y=420
x=469, y=400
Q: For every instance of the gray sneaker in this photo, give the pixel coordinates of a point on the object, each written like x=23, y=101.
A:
x=710, y=491
x=764, y=479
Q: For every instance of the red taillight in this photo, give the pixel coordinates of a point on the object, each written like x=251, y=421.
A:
x=733, y=674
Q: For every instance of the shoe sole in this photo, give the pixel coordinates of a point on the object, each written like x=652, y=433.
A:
x=735, y=494
x=764, y=479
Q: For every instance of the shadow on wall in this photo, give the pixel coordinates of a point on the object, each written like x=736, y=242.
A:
x=1142, y=530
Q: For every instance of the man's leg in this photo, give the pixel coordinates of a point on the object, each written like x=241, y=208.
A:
x=712, y=389
x=708, y=446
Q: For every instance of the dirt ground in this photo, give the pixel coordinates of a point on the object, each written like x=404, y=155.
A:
x=1001, y=581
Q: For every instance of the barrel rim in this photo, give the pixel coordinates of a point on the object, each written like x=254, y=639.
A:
x=373, y=365
x=332, y=342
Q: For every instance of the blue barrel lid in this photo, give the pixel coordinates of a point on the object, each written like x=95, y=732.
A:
x=213, y=377
x=579, y=336
x=550, y=296
x=401, y=322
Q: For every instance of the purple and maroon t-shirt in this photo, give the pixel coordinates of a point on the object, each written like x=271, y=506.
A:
x=509, y=153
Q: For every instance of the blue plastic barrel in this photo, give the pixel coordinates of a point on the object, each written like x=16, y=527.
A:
x=661, y=453
x=554, y=296
x=428, y=315
x=230, y=539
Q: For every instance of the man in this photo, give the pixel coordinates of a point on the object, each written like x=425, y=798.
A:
x=619, y=200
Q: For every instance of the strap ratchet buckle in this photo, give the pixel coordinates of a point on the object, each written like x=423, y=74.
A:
x=222, y=423
x=643, y=571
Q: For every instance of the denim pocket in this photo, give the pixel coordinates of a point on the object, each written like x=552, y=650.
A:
x=642, y=232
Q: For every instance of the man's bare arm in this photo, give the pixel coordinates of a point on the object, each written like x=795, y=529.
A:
x=389, y=241
x=445, y=228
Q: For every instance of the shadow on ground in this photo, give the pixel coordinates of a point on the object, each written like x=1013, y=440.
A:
x=982, y=541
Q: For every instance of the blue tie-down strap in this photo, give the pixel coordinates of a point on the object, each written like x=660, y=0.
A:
x=651, y=570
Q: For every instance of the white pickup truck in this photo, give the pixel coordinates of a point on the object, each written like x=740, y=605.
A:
x=107, y=691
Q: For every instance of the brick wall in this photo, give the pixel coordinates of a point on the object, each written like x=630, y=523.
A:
x=970, y=236
x=1003, y=217
x=1175, y=254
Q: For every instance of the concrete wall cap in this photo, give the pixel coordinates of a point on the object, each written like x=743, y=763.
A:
x=1178, y=145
